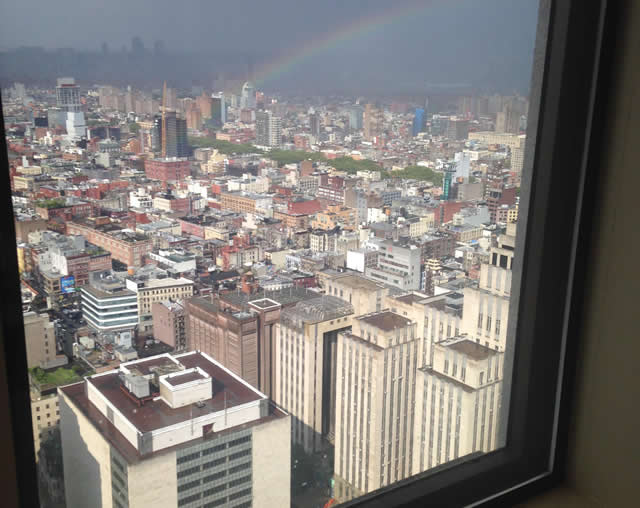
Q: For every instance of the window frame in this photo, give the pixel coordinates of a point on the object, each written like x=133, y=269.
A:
x=568, y=86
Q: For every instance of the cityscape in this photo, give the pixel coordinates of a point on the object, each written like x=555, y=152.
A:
x=240, y=296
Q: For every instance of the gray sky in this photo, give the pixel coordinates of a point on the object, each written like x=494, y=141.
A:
x=447, y=40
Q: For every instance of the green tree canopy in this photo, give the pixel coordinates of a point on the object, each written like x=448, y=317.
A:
x=418, y=173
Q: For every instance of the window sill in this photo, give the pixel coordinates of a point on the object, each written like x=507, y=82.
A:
x=560, y=496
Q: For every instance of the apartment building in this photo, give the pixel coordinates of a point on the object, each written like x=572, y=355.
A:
x=150, y=291
x=376, y=375
x=336, y=216
x=244, y=202
x=40, y=338
x=169, y=324
x=398, y=265
x=173, y=430
x=125, y=246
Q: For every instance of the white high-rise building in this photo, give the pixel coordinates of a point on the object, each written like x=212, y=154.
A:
x=457, y=403
x=68, y=99
x=377, y=365
x=463, y=164
x=173, y=430
x=248, y=97
x=268, y=129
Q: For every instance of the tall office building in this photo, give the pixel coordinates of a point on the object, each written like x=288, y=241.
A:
x=219, y=109
x=176, y=139
x=462, y=161
x=508, y=120
x=229, y=337
x=314, y=123
x=68, y=95
x=419, y=122
x=68, y=100
x=517, y=155
x=372, y=122
x=173, y=430
x=305, y=367
x=375, y=386
x=268, y=129
x=457, y=403
x=457, y=129
x=486, y=308
x=248, y=96
x=355, y=118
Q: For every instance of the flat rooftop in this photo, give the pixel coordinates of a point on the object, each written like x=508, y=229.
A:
x=386, y=320
x=410, y=298
x=356, y=282
x=285, y=297
x=470, y=348
x=228, y=391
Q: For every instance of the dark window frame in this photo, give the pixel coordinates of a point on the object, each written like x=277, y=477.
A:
x=567, y=93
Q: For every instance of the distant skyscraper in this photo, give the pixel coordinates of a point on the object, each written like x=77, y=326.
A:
x=158, y=48
x=68, y=95
x=248, y=97
x=68, y=100
x=137, y=46
x=508, y=120
x=218, y=109
x=418, y=122
x=177, y=144
x=355, y=118
x=463, y=164
x=371, y=122
x=268, y=129
x=447, y=181
x=457, y=129
x=314, y=123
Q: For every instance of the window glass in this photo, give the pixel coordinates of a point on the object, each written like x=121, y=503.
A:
x=190, y=182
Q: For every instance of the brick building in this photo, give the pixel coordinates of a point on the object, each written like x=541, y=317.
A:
x=165, y=170
x=125, y=246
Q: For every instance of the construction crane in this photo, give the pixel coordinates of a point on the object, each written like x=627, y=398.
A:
x=164, y=120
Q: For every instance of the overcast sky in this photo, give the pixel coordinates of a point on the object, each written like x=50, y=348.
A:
x=445, y=40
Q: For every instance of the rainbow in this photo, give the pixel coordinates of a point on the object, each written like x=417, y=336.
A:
x=359, y=27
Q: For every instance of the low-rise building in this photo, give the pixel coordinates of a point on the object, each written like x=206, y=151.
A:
x=169, y=324
x=148, y=291
x=108, y=305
